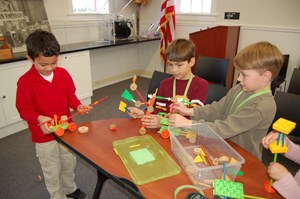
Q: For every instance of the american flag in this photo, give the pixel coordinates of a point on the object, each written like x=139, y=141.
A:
x=167, y=26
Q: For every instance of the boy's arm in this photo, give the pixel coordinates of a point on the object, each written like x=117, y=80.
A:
x=24, y=104
x=288, y=186
x=73, y=100
x=210, y=112
x=293, y=152
x=236, y=124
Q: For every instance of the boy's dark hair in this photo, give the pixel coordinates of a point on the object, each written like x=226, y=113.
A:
x=41, y=42
x=261, y=56
x=180, y=50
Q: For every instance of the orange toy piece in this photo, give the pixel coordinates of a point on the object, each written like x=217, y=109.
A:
x=165, y=134
x=133, y=85
x=72, y=126
x=59, y=131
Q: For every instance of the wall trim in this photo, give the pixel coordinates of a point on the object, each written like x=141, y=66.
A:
x=12, y=128
x=120, y=77
x=75, y=23
x=273, y=29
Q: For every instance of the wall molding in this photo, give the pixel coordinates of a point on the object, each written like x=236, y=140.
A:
x=272, y=29
x=121, y=77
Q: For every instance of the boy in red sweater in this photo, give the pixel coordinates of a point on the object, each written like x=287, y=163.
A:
x=184, y=84
x=43, y=91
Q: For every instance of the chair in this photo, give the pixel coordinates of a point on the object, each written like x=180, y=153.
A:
x=214, y=70
x=215, y=93
x=288, y=108
x=281, y=76
x=156, y=78
x=294, y=86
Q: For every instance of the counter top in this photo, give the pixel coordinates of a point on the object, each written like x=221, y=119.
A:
x=75, y=47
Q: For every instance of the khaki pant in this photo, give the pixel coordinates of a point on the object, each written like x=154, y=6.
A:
x=58, y=164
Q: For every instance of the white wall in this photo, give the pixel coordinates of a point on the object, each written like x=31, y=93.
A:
x=276, y=21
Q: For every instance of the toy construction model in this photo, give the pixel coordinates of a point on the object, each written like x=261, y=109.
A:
x=284, y=127
x=151, y=105
x=58, y=124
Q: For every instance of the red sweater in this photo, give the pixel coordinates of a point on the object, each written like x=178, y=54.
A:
x=198, y=90
x=37, y=96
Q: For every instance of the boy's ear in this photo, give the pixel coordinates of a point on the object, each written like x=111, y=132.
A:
x=267, y=76
x=29, y=59
x=192, y=62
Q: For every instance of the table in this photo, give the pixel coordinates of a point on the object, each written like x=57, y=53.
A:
x=96, y=148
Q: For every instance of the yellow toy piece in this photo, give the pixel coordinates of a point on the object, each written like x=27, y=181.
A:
x=190, y=135
x=198, y=159
x=232, y=160
x=284, y=126
x=278, y=148
x=122, y=106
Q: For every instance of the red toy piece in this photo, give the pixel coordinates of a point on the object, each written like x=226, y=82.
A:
x=113, y=127
x=268, y=187
x=165, y=134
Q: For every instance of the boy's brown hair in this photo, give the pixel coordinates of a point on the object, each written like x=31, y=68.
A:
x=261, y=56
x=180, y=50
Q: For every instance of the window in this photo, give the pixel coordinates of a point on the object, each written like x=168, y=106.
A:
x=193, y=6
x=90, y=6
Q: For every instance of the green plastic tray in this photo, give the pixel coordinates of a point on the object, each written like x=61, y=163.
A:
x=145, y=160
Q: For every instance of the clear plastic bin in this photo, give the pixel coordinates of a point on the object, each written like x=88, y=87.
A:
x=185, y=144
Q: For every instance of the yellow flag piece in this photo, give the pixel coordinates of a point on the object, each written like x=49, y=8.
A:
x=122, y=106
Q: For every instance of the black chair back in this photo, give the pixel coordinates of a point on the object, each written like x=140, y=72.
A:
x=294, y=86
x=215, y=93
x=288, y=108
x=214, y=70
x=157, y=77
x=282, y=74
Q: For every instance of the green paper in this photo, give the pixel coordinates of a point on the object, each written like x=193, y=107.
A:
x=142, y=156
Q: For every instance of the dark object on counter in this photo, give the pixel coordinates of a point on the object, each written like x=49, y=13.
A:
x=122, y=30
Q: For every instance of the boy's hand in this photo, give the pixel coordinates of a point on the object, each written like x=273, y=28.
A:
x=179, y=120
x=268, y=139
x=83, y=109
x=44, y=127
x=151, y=121
x=182, y=109
x=135, y=112
x=277, y=171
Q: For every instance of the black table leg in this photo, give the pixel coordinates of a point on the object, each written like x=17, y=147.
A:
x=100, y=180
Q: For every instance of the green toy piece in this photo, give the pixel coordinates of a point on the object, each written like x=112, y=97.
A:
x=127, y=95
x=228, y=189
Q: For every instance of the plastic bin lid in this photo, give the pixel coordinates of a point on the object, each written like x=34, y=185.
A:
x=145, y=160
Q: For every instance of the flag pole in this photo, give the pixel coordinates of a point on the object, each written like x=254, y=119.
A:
x=166, y=44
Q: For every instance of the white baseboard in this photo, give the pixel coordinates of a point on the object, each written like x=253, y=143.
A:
x=120, y=77
x=13, y=128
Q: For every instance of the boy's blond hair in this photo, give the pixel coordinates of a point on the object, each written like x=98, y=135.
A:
x=180, y=50
x=261, y=56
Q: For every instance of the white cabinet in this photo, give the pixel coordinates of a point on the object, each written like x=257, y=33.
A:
x=79, y=67
x=9, y=75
